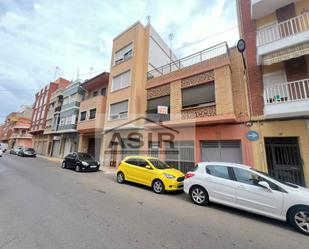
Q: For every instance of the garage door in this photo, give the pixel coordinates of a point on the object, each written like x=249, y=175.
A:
x=56, y=148
x=222, y=151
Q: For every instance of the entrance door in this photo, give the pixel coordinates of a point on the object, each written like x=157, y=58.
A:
x=284, y=161
x=67, y=147
x=94, y=145
x=221, y=151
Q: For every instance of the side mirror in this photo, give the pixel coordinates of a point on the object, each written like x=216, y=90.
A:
x=265, y=185
x=148, y=167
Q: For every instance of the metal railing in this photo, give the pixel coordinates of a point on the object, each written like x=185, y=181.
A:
x=287, y=92
x=206, y=54
x=284, y=29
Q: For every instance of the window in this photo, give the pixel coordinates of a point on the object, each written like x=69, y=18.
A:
x=82, y=116
x=123, y=54
x=95, y=93
x=247, y=177
x=103, y=91
x=121, y=81
x=218, y=171
x=198, y=95
x=152, y=104
x=62, y=121
x=119, y=110
x=92, y=113
x=137, y=162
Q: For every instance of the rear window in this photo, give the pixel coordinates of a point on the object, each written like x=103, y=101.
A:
x=218, y=171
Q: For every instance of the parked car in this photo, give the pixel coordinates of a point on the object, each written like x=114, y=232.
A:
x=27, y=152
x=15, y=150
x=80, y=162
x=242, y=187
x=1, y=152
x=3, y=147
x=151, y=172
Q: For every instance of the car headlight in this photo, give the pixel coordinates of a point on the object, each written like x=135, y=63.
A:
x=98, y=163
x=84, y=163
x=169, y=176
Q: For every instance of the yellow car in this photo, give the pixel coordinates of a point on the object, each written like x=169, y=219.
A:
x=151, y=172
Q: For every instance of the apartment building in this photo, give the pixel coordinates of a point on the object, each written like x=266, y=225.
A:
x=277, y=56
x=204, y=95
x=135, y=51
x=41, y=142
x=92, y=113
x=15, y=130
x=52, y=123
x=67, y=137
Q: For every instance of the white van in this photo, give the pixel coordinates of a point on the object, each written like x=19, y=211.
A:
x=4, y=147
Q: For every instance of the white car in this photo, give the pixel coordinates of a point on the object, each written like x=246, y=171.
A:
x=242, y=187
x=1, y=152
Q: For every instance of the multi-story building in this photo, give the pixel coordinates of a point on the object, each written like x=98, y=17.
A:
x=205, y=98
x=92, y=114
x=52, y=123
x=135, y=51
x=67, y=137
x=15, y=130
x=40, y=110
x=277, y=58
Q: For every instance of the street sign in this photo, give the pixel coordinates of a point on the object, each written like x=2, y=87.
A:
x=252, y=136
x=162, y=109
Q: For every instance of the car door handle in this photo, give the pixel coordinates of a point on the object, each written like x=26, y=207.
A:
x=241, y=187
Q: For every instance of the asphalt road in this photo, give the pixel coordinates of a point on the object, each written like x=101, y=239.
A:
x=45, y=206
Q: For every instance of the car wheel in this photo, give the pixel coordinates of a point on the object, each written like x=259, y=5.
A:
x=63, y=165
x=158, y=187
x=120, y=177
x=299, y=218
x=199, y=195
x=77, y=169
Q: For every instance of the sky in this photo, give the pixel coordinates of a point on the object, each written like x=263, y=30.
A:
x=41, y=40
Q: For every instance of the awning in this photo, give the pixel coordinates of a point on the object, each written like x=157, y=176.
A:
x=286, y=54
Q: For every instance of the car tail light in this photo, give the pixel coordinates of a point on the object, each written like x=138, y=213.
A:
x=190, y=174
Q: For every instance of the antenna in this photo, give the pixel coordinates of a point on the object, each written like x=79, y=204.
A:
x=77, y=74
x=171, y=37
x=56, y=69
x=90, y=72
x=148, y=18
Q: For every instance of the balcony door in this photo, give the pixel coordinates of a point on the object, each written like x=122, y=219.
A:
x=274, y=89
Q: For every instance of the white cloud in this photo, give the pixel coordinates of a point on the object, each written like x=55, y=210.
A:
x=40, y=35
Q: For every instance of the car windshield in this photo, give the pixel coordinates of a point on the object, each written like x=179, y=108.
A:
x=159, y=164
x=85, y=156
x=289, y=184
x=29, y=149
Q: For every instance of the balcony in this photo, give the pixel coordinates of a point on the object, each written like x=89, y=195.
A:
x=71, y=105
x=282, y=35
x=21, y=136
x=289, y=99
x=261, y=8
x=96, y=124
x=204, y=55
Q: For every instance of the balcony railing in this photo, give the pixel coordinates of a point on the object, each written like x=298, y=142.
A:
x=209, y=53
x=21, y=136
x=282, y=30
x=287, y=92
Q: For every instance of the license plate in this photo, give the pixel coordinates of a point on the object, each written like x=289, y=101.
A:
x=93, y=166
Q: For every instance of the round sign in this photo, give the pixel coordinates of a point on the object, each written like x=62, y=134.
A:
x=241, y=45
x=252, y=135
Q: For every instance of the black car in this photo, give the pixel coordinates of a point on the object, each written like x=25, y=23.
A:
x=80, y=162
x=27, y=152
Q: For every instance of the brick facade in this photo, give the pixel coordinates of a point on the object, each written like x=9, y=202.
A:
x=248, y=33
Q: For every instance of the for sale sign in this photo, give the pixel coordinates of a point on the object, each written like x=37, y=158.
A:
x=162, y=109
